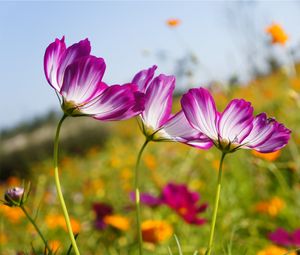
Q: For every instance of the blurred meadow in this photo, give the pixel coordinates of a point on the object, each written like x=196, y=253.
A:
x=260, y=192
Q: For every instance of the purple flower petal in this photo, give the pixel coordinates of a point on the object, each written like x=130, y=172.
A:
x=115, y=103
x=235, y=122
x=158, y=101
x=279, y=138
x=261, y=132
x=280, y=237
x=200, y=110
x=101, y=210
x=139, y=105
x=52, y=59
x=143, y=78
x=72, y=54
x=147, y=199
x=82, y=80
x=179, y=129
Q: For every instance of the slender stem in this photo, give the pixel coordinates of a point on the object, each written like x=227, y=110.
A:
x=137, y=197
x=216, y=205
x=36, y=228
x=58, y=187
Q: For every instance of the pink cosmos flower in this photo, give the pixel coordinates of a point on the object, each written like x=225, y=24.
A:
x=184, y=202
x=286, y=239
x=157, y=122
x=180, y=199
x=77, y=77
x=235, y=127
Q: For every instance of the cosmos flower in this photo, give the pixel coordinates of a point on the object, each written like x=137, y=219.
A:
x=157, y=122
x=14, y=196
x=274, y=250
x=184, y=202
x=180, y=199
x=173, y=22
x=156, y=231
x=54, y=221
x=148, y=199
x=271, y=207
x=286, y=239
x=76, y=76
x=277, y=34
x=13, y=214
x=101, y=210
x=271, y=156
x=117, y=221
x=235, y=127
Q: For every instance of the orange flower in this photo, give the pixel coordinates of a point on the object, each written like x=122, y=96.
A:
x=271, y=156
x=3, y=239
x=274, y=250
x=173, y=22
x=150, y=161
x=277, y=33
x=13, y=214
x=13, y=181
x=75, y=226
x=295, y=83
x=117, y=221
x=54, y=245
x=155, y=231
x=58, y=221
x=271, y=207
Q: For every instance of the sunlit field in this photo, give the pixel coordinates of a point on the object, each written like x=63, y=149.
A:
x=259, y=208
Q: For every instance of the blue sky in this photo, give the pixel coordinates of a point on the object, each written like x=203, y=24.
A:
x=122, y=32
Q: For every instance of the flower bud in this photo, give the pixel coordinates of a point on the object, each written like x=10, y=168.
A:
x=14, y=196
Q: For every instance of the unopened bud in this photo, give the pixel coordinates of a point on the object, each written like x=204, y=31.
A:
x=14, y=196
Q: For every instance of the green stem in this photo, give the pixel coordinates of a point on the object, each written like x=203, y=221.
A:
x=137, y=197
x=216, y=205
x=58, y=187
x=36, y=228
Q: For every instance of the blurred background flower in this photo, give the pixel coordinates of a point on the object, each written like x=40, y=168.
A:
x=156, y=231
x=173, y=22
x=274, y=250
x=286, y=239
x=277, y=34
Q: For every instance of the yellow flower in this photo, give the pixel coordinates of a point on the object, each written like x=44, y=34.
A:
x=173, y=22
x=277, y=33
x=271, y=207
x=117, y=221
x=155, y=231
x=271, y=156
x=274, y=250
x=126, y=174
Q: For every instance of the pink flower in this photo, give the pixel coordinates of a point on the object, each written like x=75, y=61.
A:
x=77, y=77
x=157, y=122
x=180, y=199
x=235, y=127
x=284, y=238
x=184, y=202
